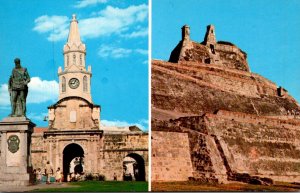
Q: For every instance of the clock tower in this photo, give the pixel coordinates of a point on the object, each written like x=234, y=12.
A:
x=74, y=109
x=74, y=78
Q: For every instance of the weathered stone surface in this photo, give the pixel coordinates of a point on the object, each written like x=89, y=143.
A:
x=209, y=51
x=15, y=162
x=170, y=156
x=103, y=153
x=196, y=88
x=240, y=125
x=74, y=113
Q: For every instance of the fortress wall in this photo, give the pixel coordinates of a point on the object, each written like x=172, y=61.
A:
x=228, y=56
x=178, y=92
x=111, y=161
x=232, y=58
x=282, y=121
x=116, y=147
x=38, y=153
x=105, y=158
x=258, y=146
x=266, y=150
x=227, y=80
x=218, y=70
x=125, y=141
x=230, y=48
x=171, y=158
x=206, y=160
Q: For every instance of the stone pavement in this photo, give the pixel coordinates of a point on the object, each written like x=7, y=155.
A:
x=33, y=187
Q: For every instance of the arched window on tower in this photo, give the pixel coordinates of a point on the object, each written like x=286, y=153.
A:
x=85, y=84
x=63, y=84
x=74, y=59
x=80, y=59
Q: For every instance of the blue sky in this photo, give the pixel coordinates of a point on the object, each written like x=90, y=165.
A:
x=116, y=37
x=267, y=30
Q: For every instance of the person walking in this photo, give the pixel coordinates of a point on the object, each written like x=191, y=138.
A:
x=48, y=171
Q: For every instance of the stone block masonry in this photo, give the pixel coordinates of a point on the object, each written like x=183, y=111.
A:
x=171, y=158
x=239, y=125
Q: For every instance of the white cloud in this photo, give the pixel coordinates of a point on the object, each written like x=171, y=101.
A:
x=4, y=95
x=140, y=33
x=42, y=90
x=86, y=3
x=109, y=51
x=111, y=20
x=142, y=124
x=106, y=51
x=39, y=91
x=57, y=26
x=142, y=51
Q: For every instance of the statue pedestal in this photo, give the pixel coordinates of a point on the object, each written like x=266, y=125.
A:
x=15, y=162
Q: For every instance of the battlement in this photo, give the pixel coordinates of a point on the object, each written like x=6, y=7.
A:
x=210, y=51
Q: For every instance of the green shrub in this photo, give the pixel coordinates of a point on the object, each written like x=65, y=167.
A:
x=101, y=177
x=89, y=176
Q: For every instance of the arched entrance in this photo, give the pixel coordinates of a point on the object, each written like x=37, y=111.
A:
x=73, y=155
x=134, y=167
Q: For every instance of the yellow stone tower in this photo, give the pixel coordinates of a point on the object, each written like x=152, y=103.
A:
x=74, y=109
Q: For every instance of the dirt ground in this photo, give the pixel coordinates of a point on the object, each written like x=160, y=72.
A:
x=236, y=186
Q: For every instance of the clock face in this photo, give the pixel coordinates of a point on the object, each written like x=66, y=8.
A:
x=73, y=83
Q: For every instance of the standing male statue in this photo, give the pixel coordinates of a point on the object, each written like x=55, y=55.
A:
x=18, y=89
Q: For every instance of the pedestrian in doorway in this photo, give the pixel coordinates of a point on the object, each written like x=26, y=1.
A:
x=58, y=177
x=115, y=177
x=68, y=177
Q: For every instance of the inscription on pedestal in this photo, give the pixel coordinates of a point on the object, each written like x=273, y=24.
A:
x=14, y=149
x=13, y=143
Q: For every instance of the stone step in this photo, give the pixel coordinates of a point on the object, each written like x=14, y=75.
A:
x=6, y=184
x=13, y=177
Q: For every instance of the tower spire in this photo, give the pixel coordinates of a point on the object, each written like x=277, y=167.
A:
x=74, y=36
x=74, y=80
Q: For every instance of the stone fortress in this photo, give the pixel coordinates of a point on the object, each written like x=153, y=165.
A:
x=215, y=121
x=75, y=140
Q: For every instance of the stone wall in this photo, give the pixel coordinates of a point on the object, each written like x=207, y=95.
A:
x=233, y=146
x=38, y=152
x=259, y=146
x=50, y=146
x=171, y=158
x=231, y=56
x=102, y=154
x=116, y=147
x=74, y=113
x=210, y=52
x=195, y=89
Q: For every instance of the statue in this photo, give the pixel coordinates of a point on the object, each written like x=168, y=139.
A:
x=18, y=89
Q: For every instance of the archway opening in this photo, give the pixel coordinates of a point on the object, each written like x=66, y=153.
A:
x=134, y=168
x=73, y=162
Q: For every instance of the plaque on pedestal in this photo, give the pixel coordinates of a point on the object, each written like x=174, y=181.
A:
x=15, y=150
